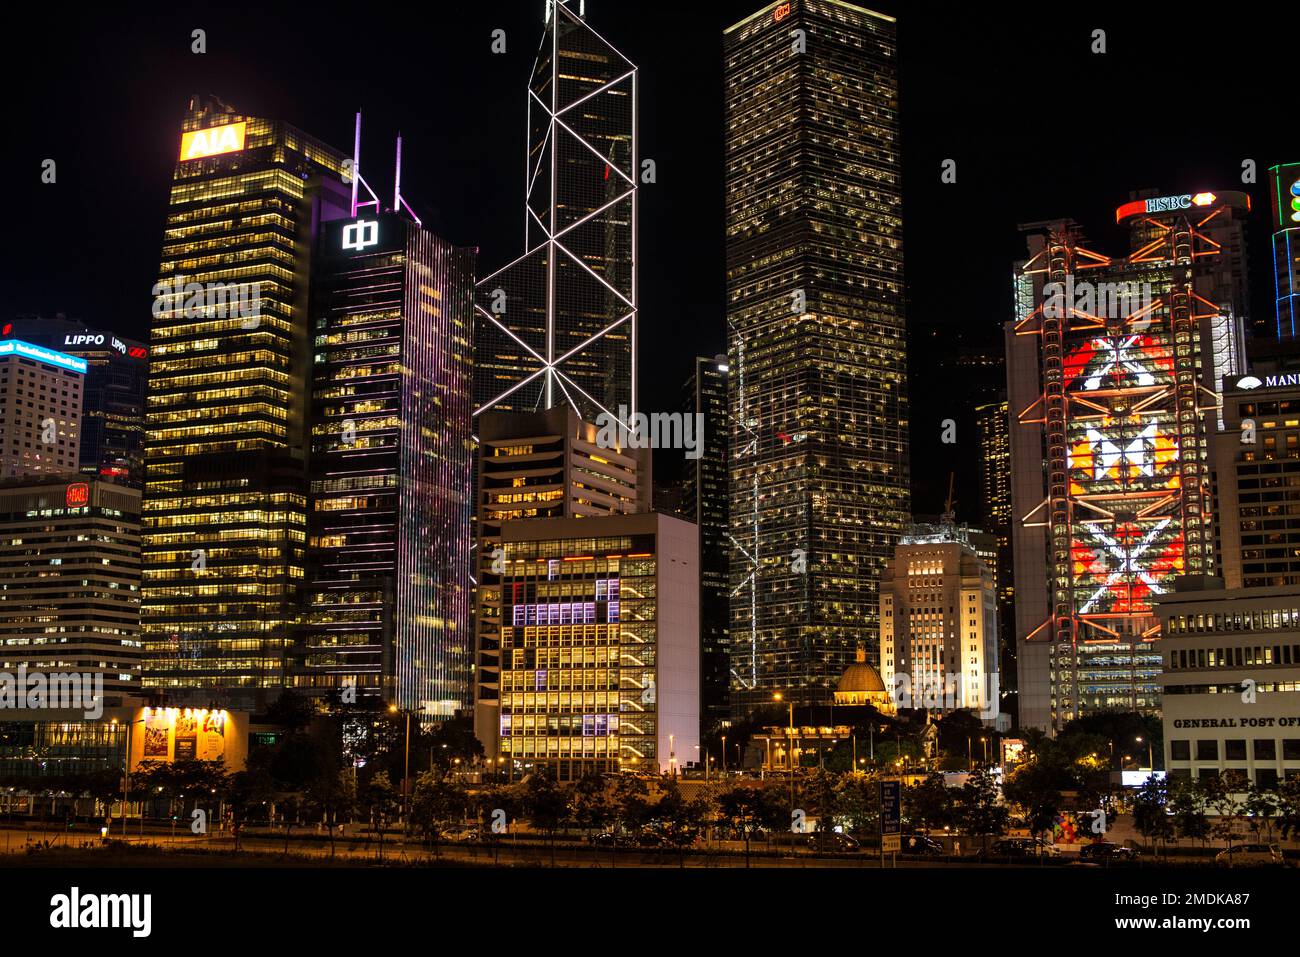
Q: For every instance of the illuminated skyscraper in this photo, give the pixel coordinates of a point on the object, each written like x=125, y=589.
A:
x=558, y=325
x=818, y=457
x=1114, y=369
x=1284, y=200
x=532, y=466
x=387, y=599
x=705, y=503
x=995, y=513
x=225, y=490
x=939, y=623
x=112, y=409
x=70, y=579
x=40, y=410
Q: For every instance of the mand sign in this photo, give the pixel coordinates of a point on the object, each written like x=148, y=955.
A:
x=213, y=141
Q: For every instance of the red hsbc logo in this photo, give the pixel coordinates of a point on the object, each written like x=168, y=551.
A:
x=78, y=495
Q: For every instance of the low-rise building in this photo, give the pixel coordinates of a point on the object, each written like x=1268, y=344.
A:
x=1231, y=681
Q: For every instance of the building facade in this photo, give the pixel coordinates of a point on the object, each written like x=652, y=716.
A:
x=705, y=503
x=1256, y=460
x=40, y=410
x=70, y=580
x=816, y=341
x=1115, y=365
x=112, y=408
x=533, y=466
x=597, y=673
x=939, y=624
x=558, y=325
x=1284, y=202
x=1231, y=682
x=386, y=606
x=225, y=500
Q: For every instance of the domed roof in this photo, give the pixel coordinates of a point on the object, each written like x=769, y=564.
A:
x=860, y=676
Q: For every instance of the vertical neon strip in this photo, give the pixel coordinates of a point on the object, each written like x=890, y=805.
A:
x=356, y=164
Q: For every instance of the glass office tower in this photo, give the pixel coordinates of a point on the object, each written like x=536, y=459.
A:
x=819, y=463
x=558, y=325
x=225, y=495
x=387, y=600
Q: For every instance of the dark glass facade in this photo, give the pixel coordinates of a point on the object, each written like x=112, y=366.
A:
x=819, y=455
x=386, y=606
x=704, y=502
x=558, y=325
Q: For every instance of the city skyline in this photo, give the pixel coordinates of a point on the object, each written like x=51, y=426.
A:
x=947, y=112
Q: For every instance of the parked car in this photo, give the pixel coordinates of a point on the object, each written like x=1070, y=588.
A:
x=1106, y=852
x=1249, y=855
x=460, y=833
x=1020, y=847
x=832, y=842
x=921, y=844
x=651, y=836
x=610, y=839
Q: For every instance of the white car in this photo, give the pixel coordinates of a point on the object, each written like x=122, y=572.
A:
x=1246, y=855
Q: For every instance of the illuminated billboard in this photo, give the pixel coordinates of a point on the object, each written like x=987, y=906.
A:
x=188, y=734
x=213, y=141
x=17, y=347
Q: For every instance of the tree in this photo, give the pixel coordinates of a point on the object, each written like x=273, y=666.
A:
x=857, y=803
x=1261, y=806
x=378, y=799
x=680, y=820
x=1187, y=802
x=929, y=805
x=450, y=740
x=1035, y=786
x=1288, y=807
x=546, y=805
x=1151, y=811
x=979, y=809
x=592, y=808
x=332, y=793
x=751, y=810
x=437, y=803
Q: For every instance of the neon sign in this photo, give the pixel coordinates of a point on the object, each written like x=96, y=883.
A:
x=78, y=495
x=361, y=234
x=781, y=13
x=1163, y=204
x=213, y=141
x=17, y=347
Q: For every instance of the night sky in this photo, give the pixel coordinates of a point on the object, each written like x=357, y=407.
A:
x=1040, y=127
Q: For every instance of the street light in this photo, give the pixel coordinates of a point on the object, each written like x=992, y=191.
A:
x=406, y=771
x=1151, y=756
x=789, y=733
x=126, y=776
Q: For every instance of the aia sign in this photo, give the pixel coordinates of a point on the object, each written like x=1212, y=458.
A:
x=213, y=141
x=78, y=495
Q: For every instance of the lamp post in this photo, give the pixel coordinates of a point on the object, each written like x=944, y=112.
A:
x=126, y=776
x=724, y=754
x=789, y=737
x=1151, y=754
x=406, y=769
